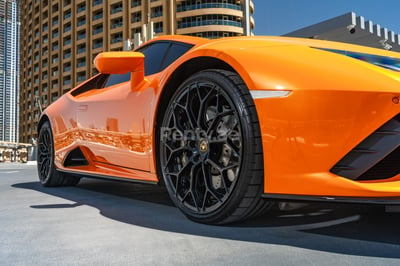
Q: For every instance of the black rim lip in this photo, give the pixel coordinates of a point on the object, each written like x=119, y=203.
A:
x=167, y=117
x=45, y=154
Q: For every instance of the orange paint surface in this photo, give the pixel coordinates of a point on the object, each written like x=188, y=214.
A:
x=335, y=103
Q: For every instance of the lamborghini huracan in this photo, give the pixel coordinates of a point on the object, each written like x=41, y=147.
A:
x=232, y=125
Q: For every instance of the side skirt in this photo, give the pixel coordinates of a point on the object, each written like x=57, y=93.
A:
x=115, y=178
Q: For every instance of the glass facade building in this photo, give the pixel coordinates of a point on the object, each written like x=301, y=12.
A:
x=9, y=70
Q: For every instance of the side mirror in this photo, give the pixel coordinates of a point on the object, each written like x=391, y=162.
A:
x=121, y=63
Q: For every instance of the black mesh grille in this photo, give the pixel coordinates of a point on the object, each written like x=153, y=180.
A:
x=376, y=157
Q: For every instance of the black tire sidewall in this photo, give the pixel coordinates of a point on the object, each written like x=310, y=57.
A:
x=237, y=97
x=46, y=180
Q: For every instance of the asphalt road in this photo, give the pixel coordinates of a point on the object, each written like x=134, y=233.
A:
x=109, y=223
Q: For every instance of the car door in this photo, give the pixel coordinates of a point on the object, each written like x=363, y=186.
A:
x=116, y=121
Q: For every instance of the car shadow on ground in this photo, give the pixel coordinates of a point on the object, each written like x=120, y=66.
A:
x=361, y=230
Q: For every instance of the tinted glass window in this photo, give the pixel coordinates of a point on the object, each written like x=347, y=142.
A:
x=96, y=83
x=154, y=55
x=174, y=52
x=118, y=78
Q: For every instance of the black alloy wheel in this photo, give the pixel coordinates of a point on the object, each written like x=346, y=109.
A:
x=210, y=149
x=48, y=174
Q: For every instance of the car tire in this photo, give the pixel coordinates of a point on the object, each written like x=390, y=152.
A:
x=210, y=149
x=49, y=176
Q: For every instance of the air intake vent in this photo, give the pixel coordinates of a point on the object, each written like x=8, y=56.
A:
x=75, y=158
x=376, y=157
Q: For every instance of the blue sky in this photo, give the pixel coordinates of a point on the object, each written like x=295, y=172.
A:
x=277, y=17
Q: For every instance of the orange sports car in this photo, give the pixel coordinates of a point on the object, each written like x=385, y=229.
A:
x=233, y=124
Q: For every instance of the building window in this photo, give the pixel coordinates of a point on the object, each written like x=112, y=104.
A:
x=156, y=12
x=192, y=5
x=81, y=21
x=98, y=29
x=116, y=38
x=67, y=80
x=55, y=21
x=54, y=96
x=67, y=27
x=115, y=8
x=136, y=17
x=97, y=15
x=67, y=41
x=136, y=3
x=81, y=76
x=81, y=35
x=158, y=27
x=81, y=62
x=81, y=8
x=54, y=71
x=55, y=8
x=97, y=43
x=81, y=48
x=116, y=23
x=67, y=54
x=67, y=67
x=54, y=46
x=67, y=14
x=97, y=2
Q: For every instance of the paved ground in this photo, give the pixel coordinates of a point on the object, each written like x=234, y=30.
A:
x=108, y=223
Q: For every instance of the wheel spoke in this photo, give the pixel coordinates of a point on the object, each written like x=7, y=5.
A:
x=209, y=187
x=201, y=168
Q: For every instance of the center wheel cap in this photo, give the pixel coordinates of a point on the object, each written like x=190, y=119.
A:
x=203, y=146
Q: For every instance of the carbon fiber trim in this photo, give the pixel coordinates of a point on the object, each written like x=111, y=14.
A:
x=376, y=157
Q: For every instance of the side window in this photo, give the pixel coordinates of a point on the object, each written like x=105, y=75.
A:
x=154, y=55
x=174, y=52
x=117, y=78
x=96, y=83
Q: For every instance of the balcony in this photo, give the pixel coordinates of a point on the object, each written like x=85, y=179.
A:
x=81, y=22
x=97, y=45
x=182, y=8
x=98, y=16
x=97, y=30
x=182, y=25
x=81, y=9
x=116, y=25
x=115, y=10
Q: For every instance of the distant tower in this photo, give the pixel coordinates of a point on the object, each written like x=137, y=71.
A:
x=9, y=70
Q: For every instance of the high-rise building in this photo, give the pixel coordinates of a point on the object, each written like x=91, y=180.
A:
x=59, y=39
x=9, y=70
